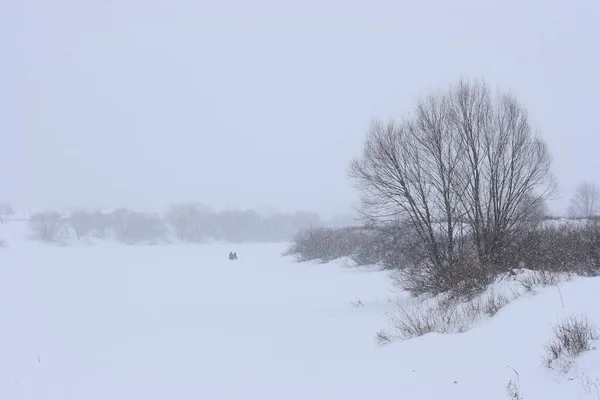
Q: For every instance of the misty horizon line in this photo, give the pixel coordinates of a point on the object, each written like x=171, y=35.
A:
x=30, y=208
x=351, y=213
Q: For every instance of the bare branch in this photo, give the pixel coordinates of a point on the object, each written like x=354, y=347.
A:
x=585, y=202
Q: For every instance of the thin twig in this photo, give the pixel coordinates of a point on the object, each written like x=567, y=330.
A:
x=561, y=297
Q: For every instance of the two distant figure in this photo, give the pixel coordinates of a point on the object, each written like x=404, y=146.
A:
x=233, y=256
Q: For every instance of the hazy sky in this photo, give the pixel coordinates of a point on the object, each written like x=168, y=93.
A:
x=245, y=103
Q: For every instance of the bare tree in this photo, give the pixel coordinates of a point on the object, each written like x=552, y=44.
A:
x=188, y=221
x=5, y=211
x=133, y=227
x=585, y=202
x=47, y=226
x=409, y=172
x=466, y=172
x=86, y=223
x=506, y=169
x=81, y=222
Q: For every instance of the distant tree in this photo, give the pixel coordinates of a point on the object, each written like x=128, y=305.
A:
x=194, y=222
x=99, y=224
x=134, y=227
x=5, y=211
x=189, y=221
x=85, y=223
x=81, y=222
x=585, y=203
x=48, y=226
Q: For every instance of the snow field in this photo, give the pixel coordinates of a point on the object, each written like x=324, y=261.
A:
x=111, y=321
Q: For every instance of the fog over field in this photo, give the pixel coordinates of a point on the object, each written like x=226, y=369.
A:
x=248, y=104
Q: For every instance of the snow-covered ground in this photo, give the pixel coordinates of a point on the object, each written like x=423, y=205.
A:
x=111, y=321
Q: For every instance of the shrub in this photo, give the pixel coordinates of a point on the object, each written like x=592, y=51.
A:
x=555, y=250
x=413, y=322
x=446, y=314
x=464, y=278
x=362, y=245
x=570, y=338
x=397, y=244
x=541, y=278
x=494, y=302
x=513, y=388
x=382, y=337
x=569, y=247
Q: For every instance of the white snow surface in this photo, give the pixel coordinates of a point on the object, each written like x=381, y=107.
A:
x=111, y=321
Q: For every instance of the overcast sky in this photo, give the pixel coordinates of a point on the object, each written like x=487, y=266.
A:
x=246, y=103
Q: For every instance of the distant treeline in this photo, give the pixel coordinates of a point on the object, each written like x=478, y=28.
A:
x=186, y=222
